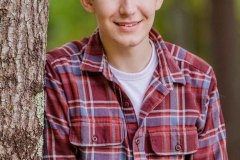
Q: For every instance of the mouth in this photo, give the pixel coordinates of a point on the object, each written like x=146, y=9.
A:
x=127, y=24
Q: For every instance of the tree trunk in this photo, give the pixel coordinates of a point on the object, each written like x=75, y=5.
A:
x=23, y=29
x=226, y=59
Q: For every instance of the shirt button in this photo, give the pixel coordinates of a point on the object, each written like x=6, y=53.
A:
x=137, y=141
x=178, y=147
x=94, y=138
x=126, y=104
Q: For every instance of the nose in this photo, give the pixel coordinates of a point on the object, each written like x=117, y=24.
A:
x=127, y=7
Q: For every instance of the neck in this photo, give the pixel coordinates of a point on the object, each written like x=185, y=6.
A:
x=129, y=59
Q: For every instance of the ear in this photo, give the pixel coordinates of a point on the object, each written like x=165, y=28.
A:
x=158, y=4
x=88, y=5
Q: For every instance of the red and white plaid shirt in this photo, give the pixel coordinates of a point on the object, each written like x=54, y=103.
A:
x=89, y=117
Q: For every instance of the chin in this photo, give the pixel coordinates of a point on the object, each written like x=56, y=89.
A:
x=130, y=42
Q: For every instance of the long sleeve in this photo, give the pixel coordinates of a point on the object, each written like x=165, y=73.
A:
x=212, y=137
x=56, y=127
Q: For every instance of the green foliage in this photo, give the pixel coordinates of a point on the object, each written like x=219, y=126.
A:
x=68, y=21
x=184, y=23
x=238, y=9
x=238, y=18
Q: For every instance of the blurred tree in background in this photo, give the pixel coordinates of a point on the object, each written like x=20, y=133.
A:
x=225, y=55
x=210, y=29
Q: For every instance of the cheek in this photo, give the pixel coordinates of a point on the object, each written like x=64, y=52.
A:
x=104, y=16
x=148, y=10
x=106, y=9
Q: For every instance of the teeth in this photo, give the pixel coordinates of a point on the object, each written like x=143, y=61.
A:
x=127, y=25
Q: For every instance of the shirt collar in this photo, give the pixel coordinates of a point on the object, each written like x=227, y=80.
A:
x=169, y=71
x=94, y=60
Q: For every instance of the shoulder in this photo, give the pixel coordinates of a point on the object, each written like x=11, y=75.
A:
x=67, y=51
x=189, y=60
x=197, y=71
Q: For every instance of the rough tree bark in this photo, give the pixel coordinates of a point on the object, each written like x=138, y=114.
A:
x=226, y=56
x=23, y=29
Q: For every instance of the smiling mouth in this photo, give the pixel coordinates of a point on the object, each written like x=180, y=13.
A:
x=127, y=24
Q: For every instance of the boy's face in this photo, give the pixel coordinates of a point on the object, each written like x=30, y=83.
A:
x=123, y=22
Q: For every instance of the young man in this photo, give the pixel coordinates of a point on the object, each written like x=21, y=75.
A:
x=125, y=93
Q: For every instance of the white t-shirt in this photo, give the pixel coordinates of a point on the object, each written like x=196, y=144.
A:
x=136, y=84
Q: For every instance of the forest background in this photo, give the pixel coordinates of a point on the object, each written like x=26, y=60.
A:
x=209, y=29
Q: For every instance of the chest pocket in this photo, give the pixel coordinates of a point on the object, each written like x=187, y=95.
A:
x=174, y=142
x=98, y=133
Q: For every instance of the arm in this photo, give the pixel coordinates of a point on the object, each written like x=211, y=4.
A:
x=56, y=123
x=212, y=136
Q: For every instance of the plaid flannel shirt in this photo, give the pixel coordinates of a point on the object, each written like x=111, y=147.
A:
x=89, y=116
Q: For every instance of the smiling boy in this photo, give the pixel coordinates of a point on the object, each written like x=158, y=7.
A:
x=124, y=93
